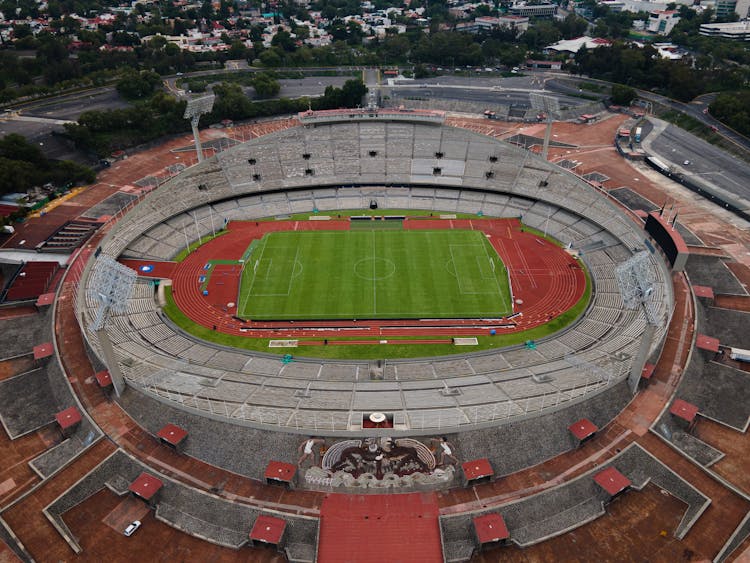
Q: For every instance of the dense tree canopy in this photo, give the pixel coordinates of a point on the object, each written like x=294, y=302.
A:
x=23, y=166
x=138, y=85
x=733, y=108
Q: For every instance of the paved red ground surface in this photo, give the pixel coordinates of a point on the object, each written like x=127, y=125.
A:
x=545, y=279
x=377, y=528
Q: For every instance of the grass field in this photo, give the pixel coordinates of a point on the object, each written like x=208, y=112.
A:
x=373, y=274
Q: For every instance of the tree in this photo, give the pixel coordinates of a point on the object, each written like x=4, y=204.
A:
x=270, y=58
x=283, y=40
x=16, y=147
x=622, y=95
x=352, y=93
x=265, y=85
x=138, y=85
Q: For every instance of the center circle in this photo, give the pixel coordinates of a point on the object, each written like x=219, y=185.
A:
x=374, y=268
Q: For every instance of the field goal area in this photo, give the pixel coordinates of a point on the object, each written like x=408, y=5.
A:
x=373, y=274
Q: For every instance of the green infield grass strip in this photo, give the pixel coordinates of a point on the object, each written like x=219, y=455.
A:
x=377, y=351
x=374, y=274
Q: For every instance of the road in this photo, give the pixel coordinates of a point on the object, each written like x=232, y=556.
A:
x=694, y=109
x=706, y=162
x=513, y=90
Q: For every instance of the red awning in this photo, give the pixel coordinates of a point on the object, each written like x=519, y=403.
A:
x=280, y=471
x=477, y=468
x=69, y=417
x=583, y=428
x=145, y=486
x=703, y=291
x=103, y=378
x=490, y=528
x=612, y=481
x=708, y=343
x=43, y=350
x=268, y=529
x=172, y=434
x=648, y=371
x=684, y=410
x=45, y=299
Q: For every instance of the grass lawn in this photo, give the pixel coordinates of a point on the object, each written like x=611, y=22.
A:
x=364, y=274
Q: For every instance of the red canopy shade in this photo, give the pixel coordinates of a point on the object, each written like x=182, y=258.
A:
x=684, y=410
x=45, y=299
x=103, y=378
x=490, y=528
x=145, y=486
x=612, y=481
x=43, y=350
x=69, y=417
x=583, y=428
x=477, y=468
x=648, y=371
x=707, y=343
x=703, y=291
x=268, y=529
x=280, y=471
x=172, y=434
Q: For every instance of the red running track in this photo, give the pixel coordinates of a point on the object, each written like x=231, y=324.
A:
x=546, y=282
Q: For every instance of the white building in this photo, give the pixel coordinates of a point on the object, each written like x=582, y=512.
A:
x=572, y=46
x=737, y=31
x=662, y=22
x=486, y=23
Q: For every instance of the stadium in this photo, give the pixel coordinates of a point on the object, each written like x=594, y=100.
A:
x=376, y=335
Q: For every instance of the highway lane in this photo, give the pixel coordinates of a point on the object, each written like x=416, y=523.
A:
x=706, y=162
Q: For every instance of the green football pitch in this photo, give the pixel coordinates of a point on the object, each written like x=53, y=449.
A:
x=373, y=274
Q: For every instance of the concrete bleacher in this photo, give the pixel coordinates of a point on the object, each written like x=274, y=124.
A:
x=361, y=165
x=192, y=511
x=721, y=392
x=32, y=280
x=567, y=506
x=134, y=331
x=26, y=403
x=30, y=400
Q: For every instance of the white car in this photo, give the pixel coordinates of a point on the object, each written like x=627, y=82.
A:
x=132, y=527
x=686, y=162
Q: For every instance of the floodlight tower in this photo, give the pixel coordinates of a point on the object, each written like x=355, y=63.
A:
x=111, y=285
x=550, y=107
x=193, y=111
x=636, y=283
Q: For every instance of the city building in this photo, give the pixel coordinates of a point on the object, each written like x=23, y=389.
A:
x=662, y=22
x=737, y=31
x=533, y=10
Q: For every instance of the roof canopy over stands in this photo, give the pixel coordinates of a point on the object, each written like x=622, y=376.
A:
x=172, y=434
x=684, y=410
x=268, y=529
x=490, y=528
x=145, y=486
x=703, y=291
x=708, y=343
x=43, y=350
x=103, y=378
x=583, y=429
x=612, y=481
x=648, y=371
x=45, y=299
x=68, y=418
